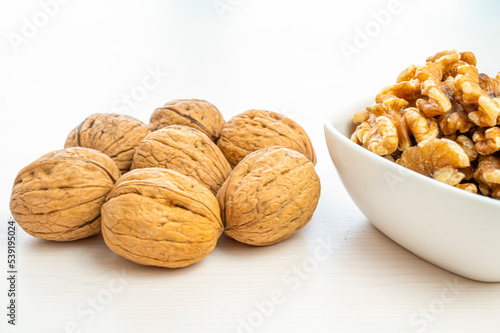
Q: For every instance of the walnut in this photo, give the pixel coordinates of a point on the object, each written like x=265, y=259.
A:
x=378, y=134
x=407, y=74
x=445, y=107
x=446, y=58
x=421, y=126
x=403, y=90
x=484, y=109
x=436, y=158
x=186, y=150
x=269, y=196
x=466, y=58
x=449, y=61
x=468, y=146
x=159, y=217
x=487, y=175
x=115, y=135
x=455, y=120
x=360, y=117
x=195, y=113
x=256, y=129
x=428, y=71
x=59, y=196
x=487, y=140
x=438, y=92
x=469, y=187
x=387, y=134
x=490, y=85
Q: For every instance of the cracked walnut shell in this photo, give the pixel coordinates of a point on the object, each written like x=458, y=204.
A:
x=195, y=113
x=59, y=196
x=269, y=196
x=113, y=134
x=252, y=130
x=159, y=217
x=186, y=150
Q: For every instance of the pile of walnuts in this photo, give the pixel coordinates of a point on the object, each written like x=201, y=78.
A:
x=163, y=193
x=440, y=120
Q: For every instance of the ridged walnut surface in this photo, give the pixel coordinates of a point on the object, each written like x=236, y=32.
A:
x=269, y=196
x=186, y=150
x=113, y=134
x=195, y=113
x=59, y=196
x=256, y=129
x=160, y=217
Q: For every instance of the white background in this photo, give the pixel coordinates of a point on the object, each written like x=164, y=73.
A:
x=339, y=274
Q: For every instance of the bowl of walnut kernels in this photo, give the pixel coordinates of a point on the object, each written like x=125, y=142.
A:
x=421, y=160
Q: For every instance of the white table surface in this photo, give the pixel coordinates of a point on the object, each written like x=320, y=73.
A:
x=339, y=274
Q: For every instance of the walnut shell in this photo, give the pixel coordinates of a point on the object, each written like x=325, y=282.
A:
x=186, y=150
x=195, y=113
x=256, y=129
x=113, y=134
x=159, y=217
x=269, y=196
x=59, y=196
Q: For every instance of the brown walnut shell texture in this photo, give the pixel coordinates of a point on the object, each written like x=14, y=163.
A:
x=59, y=196
x=269, y=196
x=195, y=113
x=113, y=134
x=252, y=130
x=159, y=217
x=186, y=150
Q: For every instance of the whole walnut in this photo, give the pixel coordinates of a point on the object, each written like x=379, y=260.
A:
x=113, y=134
x=159, y=217
x=186, y=150
x=195, y=113
x=256, y=129
x=270, y=195
x=59, y=196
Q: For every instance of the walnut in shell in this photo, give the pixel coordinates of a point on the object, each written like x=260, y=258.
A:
x=113, y=134
x=195, y=113
x=186, y=150
x=270, y=195
x=256, y=129
x=159, y=217
x=59, y=196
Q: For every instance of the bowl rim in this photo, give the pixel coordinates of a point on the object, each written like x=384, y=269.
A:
x=392, y=166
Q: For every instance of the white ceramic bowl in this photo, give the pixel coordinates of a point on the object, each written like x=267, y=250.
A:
x=451, y=228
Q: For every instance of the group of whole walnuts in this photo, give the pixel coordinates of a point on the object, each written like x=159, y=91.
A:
x=163, y=193
x=440, y=120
